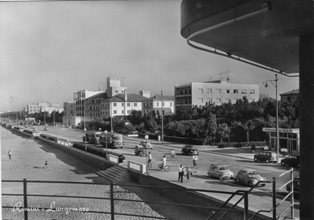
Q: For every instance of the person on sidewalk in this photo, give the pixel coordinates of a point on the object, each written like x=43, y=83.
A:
x=10, y=155
x=164, y=161
x=46, y=164
x=173, y=154
x=180, y=173
x=149, y=160
x=195, y=160
x=188, y=173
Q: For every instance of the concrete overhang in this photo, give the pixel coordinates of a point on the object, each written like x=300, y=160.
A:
x=263, y=33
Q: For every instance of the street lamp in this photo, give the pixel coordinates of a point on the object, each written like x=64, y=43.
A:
x=85, y=139
x=275, y=84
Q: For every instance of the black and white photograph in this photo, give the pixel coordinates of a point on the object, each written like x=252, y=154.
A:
x=157, y=109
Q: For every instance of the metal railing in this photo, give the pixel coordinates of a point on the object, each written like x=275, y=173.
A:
x=244, y=196
x=112, y=198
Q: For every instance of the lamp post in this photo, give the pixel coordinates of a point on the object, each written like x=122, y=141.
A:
x=275, y=84
x=85, y=139
x=162, y=120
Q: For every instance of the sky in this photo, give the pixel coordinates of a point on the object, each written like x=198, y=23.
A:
x=49, y=50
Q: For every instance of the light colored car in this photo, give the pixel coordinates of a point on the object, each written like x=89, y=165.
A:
x=220, y=172
x=146, y=144
x=249, y=177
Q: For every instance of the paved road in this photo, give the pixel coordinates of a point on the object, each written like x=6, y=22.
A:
x=236, y=161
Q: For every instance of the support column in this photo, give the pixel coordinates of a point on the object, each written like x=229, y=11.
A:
x=307, y=126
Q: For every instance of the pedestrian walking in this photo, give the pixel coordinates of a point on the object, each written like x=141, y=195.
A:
x=180, y=173
x=10, y=155
x=188, y=173
x=173, y=154
x=195, y=160
x=46, y=164
x=164, y=161
x=149, y=160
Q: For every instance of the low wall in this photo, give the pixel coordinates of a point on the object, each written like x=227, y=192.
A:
x=92, y=159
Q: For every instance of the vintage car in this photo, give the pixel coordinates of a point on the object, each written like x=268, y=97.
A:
x=249, y=178
x=220, y=172
x=266, y=156
x=189, y=150
x=291, y=161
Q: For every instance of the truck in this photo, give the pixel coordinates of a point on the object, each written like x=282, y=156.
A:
x=103, y=139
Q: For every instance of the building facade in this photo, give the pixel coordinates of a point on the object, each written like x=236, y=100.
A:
x=290, y=96
x=79, y=98
x=213, y=92
x=43, y=107
x=68, y=118
x=93, y=106
x=121, y=104
x=158, y=104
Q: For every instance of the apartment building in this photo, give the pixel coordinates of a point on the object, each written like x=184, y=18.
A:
x=121, y=104
x=69, y=118
x=158, y=104
x=213, y=92
x=93, y=105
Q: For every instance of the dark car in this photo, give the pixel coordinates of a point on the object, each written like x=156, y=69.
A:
x=291, y=161
x=266, y=156
x=189, y=150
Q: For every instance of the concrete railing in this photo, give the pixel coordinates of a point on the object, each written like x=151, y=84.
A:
x=137, y=167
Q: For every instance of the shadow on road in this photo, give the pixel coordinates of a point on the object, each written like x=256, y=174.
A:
x=79, y=167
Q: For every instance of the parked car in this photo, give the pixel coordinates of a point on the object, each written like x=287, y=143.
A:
x=291, y=161
x=146, y=144
x=266, y=156
x=189, y=150
x=249, y=177
x=220, y=172
x=140, y=151
x=296, y=186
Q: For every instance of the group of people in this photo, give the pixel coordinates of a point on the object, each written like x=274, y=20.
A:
x=184, y=170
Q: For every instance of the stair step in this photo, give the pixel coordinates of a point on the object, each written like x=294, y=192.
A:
x=115, y=174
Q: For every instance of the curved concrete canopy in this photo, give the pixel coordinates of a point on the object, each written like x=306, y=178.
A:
x=264, y=32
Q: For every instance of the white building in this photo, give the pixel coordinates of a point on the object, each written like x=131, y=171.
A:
x=121, y=104
x=43, y=107
x=158, y=104
x=213, y=92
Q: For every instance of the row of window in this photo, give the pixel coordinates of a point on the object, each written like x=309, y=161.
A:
x=183, y=91
x=228, y=91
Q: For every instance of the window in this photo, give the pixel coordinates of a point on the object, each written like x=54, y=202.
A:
x=252, y=91
x=170, y=104
x=135, y=104
x=201, y=90
x=114, y=104
x=129, y=112
x=228, y=90
x=114, y=111
x=218, y=91
x=243, y=91
x=235, y=91
x=157, y=104
x=163, y=104
x=128, y=104
x=122, y=111
x=122, y=104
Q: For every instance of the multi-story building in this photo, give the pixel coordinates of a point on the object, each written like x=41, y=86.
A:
x=213, y=92
x=290, y=96
x=69, y=118
x=158, y=104
x=93, y=106
x=79, y=98
x=121, y=104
